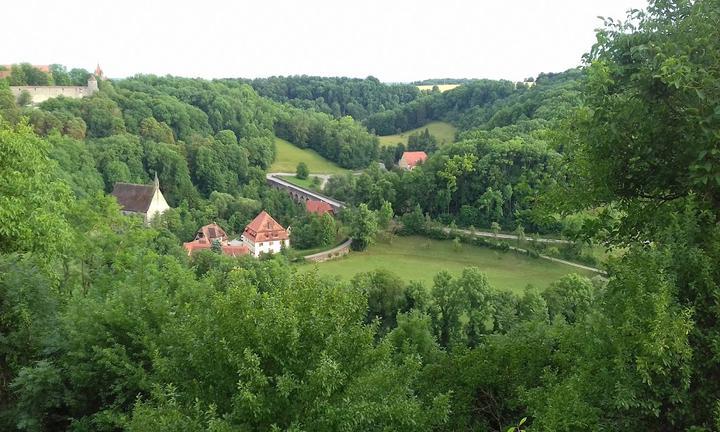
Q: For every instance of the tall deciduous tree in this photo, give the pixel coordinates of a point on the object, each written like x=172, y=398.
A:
x=363, y=227
x=32, y=201
x=302, y=172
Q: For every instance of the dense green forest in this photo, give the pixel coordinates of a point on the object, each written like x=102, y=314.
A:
x=108, y=325
x=505, y=160
x=338, y=97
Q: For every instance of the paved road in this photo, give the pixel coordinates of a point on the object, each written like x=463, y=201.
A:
x=508, y=236
x=541, y=240
x=344, y=246
x=562, y=261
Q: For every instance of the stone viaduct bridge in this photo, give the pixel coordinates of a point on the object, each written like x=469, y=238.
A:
x=301, y=194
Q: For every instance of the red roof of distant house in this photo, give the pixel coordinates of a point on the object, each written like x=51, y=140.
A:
x=211, y=232
x=205, y=237
x=227, y=249
x=41, y=68
x=318, y=207
x=413, y=158
x=265, y=228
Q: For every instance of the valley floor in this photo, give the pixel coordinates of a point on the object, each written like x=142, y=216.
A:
x=420, y=259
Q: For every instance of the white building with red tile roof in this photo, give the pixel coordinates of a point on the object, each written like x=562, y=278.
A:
x=265, y=235
x=410, y=160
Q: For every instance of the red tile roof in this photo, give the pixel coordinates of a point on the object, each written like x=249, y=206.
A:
x=413, y=158
x=204, y=239
x=211, y=232
x=318, y=207
x=227, y=249
x=235, y=250
x=265, y=228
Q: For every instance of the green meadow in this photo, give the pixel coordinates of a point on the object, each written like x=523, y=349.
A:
x=289, y=156
x=420, y=259
x=444, y=132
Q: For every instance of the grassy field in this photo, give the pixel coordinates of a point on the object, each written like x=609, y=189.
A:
x=289, y=156
x=419, y=258
x=444, y=132
x=443, y=87
x=306, y=183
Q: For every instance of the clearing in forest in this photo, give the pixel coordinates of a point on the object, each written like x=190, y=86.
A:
x=289, y=156
x=443, y=131
x=443, y=87
x=420, y=259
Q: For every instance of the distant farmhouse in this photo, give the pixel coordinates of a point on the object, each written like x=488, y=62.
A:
x=40, y=93
x=265, y=235
x=145, y=200
x=410, y=160
x=211, y=236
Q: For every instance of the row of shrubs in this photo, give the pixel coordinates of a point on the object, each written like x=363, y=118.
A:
x=437, y=231
x=434, y=230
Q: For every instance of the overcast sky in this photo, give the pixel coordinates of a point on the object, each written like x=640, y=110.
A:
x=393, y=40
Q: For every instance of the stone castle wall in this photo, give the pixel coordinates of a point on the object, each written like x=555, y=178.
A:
x=42, y=93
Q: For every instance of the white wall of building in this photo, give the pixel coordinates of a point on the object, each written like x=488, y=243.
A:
x=268, y=246
x=158, y=206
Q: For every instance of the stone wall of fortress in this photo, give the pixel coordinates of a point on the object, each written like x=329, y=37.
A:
x=42, y=93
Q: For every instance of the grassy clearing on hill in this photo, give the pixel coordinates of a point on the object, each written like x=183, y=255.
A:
x=444, y=132
x=420, y=258
x=443, y=87
x=289, y=156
